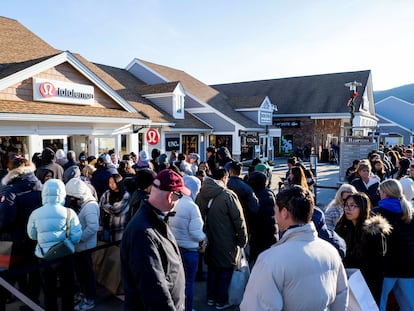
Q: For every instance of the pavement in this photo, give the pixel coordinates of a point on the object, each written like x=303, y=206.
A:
x=327, y=179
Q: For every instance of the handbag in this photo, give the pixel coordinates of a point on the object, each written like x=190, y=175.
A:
x=5, y=254
x=63, y=248
x=239, y=279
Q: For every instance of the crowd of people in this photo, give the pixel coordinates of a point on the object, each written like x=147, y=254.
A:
x=169, y=215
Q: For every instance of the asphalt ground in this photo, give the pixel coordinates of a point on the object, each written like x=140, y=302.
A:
x=327, y=178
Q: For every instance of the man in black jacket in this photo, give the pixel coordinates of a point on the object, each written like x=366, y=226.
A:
x=152, y=270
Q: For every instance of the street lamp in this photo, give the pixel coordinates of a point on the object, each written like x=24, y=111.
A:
x=351, y=101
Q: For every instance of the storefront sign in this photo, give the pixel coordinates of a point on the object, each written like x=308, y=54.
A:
x=294, y=123
x=248, y=133
x=252, y=140
x=265, y=118
x=153, y=137
x=172, y=144
x=62, y=92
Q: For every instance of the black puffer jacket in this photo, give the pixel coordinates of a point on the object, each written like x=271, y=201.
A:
x=22, y=191
x=366, y=249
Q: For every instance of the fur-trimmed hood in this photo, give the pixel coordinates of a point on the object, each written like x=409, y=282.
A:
x=17, y=172
x=376, y=225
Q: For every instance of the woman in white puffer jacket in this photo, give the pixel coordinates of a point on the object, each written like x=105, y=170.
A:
x=187, y=227
x=47, y=225
x=80, y=197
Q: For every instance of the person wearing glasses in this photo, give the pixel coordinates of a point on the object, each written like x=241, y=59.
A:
x=152, y=270
x=301, y=271
x=365, y=238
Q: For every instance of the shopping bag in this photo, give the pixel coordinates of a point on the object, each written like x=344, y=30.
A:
x=239, y=279
x=360, y=297
x=5, y=254
x=107, y=266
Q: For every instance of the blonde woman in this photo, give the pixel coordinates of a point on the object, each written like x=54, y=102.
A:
x=335, y=208
x=399, y=268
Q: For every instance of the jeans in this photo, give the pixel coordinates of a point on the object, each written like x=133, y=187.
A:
x=218, y=282
x=403, y=289
x=190, y=261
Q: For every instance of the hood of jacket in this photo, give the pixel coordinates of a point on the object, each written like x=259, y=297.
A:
x=194, y=184
x=211, y=188
x=53, y=192
x=22, y=179
x=77, y=188
x=376, y=225
x=17, y=172
x=391, y=204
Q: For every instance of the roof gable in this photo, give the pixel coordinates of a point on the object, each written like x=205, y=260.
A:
x=194, y=89
x=397, y=110
x=302, y=95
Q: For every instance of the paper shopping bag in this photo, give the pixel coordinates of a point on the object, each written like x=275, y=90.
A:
x=360, y=297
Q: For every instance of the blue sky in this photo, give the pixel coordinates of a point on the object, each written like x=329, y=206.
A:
x=222, y=41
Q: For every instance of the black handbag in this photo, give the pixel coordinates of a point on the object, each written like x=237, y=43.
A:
x=63, y=248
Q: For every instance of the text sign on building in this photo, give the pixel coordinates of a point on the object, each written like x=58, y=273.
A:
x=172, y=144
x=62, y=92
x=265, y=117
x=295, y=123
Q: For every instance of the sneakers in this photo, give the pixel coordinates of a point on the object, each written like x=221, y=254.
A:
x=210, y=302
x=221, y=306
x=79, y=297
x=86, y=304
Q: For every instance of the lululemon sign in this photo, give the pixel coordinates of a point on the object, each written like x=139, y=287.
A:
x=153, y=137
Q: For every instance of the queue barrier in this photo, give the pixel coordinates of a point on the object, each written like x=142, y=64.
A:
x=22, y=270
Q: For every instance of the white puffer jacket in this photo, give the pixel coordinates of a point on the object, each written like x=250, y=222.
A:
x=47, y=224
x=187, y=224
x=88, y=214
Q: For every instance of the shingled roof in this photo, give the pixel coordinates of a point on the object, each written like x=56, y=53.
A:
x=127, y=84
x=316, y=94
x=202, y=92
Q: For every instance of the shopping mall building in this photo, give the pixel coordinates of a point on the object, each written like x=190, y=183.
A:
x=55, y=98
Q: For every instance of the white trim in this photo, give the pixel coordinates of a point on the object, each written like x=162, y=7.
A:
x=67, y=118
x=60, y=59
x=158, y=95
x=392, y=123
x=247, y=109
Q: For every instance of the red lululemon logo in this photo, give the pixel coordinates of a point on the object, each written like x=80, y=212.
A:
x=47, y=89
x=153, y=137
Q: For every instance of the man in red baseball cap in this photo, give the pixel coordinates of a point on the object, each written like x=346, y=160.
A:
x=152, y=270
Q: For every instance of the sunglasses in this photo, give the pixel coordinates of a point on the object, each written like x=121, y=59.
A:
x=178, y=194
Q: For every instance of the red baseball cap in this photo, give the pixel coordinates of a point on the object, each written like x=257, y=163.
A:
x=168, y=180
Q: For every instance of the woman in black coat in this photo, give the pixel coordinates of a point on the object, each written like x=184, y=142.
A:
x=263, y=229
x=20, y=194
x=365, y=238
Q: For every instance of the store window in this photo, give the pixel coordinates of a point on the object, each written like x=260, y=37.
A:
x=12, y=145
x=53, y=144
x=190, y=144
x=221, y=141
x=105, y=144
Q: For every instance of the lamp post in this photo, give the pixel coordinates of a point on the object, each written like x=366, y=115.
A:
x=351, y=101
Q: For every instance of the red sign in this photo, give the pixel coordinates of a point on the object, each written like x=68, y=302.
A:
x=47, y=89
x=153, y=137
